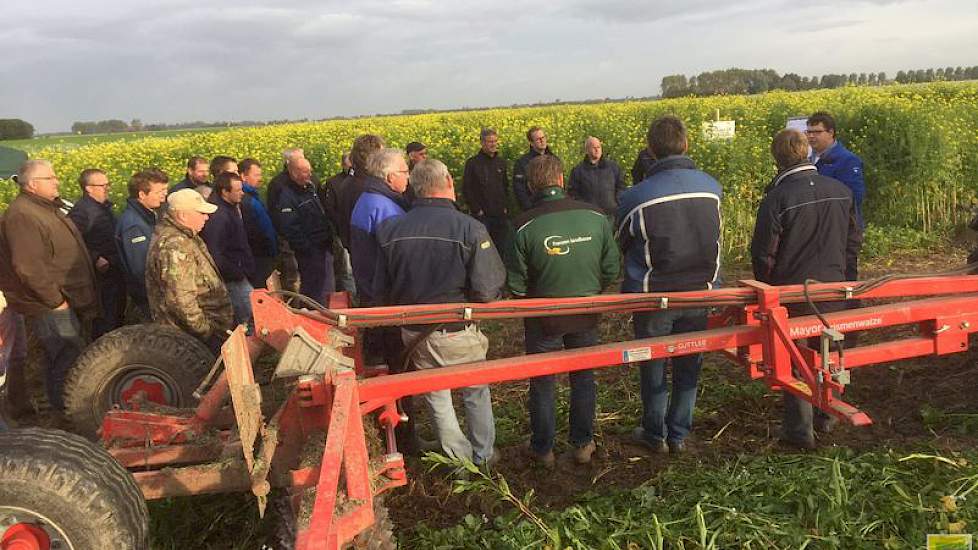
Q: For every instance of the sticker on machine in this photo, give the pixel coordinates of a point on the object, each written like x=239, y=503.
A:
x=637, y=354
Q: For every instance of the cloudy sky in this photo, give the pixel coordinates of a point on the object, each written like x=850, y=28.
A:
x=182, y=60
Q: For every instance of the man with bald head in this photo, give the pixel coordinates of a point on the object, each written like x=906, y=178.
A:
x=303, y=223
x=46, y=273
x=597, y=179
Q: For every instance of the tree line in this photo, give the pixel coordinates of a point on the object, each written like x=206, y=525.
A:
x=755, y=81
x=15, y=128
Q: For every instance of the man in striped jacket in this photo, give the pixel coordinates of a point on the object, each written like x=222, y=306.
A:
x=669, y=229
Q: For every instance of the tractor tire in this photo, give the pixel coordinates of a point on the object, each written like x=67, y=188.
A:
x=61, y=491
x=380, y=536
x=163, y=362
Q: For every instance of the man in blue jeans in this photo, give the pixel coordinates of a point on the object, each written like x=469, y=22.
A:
x=669, y=227
x=563, y=247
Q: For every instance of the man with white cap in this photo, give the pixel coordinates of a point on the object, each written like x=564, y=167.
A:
x=183, y=285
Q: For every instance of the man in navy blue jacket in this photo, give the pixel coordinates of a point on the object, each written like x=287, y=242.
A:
x=258, y=224
x=669, y=229
x=94, y=218
x=303, y=223
x=227, y=242
x=147, y=192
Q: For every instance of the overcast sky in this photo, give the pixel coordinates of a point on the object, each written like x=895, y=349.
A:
x=183, y=60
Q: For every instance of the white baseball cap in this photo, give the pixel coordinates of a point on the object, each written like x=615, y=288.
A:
x=189, y=199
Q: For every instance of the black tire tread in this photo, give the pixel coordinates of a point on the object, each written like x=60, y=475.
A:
x=77, y=484
x=188, y=361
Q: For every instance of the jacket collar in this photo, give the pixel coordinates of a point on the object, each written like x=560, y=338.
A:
x=487, y=155
x=552, y=193
x=587, y=162
x=435, y=202
x=533, y=152
x=796, y=169
x=251, y=190
x=149, y=215
x=107, y=204
x=53, y=205
x=380, y=187
x=672, y=162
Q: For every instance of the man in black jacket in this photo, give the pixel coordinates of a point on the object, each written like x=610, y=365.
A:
x=227, y=243
x=597, y=179
x=94, y=218
x=435, y=254
x=303, y=224
x=538, y=146
x=484, y=185
x=197, y=171
x=807, y=228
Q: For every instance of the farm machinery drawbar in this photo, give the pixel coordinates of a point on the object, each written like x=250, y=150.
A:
x=319, y=437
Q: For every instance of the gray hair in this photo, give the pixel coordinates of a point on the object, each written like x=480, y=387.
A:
x=428, y=177
x=486, y=132
x=383, y=162
x=588, y=140
x=291, y=153
x=29, y=168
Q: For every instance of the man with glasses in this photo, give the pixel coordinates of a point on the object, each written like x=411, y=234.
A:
x=46, y=273
x=94, y=218
x=832, y=159
x=538, y=146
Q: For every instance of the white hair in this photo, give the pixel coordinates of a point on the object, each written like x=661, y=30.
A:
x=383, y=162
x=428, y=177
x=29, y=168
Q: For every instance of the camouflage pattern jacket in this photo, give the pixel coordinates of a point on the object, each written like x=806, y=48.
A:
x=183, y=284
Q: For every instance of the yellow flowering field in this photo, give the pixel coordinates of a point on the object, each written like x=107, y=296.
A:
x=919, y=144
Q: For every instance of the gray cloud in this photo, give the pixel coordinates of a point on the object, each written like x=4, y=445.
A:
x=178, y=60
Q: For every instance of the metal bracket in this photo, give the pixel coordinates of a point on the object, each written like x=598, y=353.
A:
x=305, y=355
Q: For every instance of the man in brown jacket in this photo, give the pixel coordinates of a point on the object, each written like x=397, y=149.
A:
x=46, y=273
x=183, y=285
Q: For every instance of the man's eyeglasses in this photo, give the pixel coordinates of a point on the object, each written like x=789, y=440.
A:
x=815, y=132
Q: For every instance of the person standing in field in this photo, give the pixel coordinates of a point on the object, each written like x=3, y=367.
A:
x=287, y=266
x=348, y=192
x=342, y=269
x=643, y=161
x=597, y=179
x=227, y=242
x=93, y=216
x=46, y=274
x=305, y=227
x=538, y=146
x=416, y=152
x=262, y=239
x=184, y=287
x=435, y=254
x=562, y=248
x=485, y=187
x=197, y=171
x=807, y=228
x=669, y=229
x=133, y=233
x=832, y=159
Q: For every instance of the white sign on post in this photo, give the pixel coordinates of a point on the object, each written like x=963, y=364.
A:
x=719, y=129
x=799, y=123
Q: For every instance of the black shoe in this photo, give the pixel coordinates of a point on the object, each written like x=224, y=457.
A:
x=657, y=446
x=677, y=447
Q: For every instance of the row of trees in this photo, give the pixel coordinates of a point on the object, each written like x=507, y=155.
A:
x=754, y=81
x=113, y=126
x=15, y=128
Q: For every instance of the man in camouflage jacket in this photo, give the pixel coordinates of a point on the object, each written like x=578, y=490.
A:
x=184, y=287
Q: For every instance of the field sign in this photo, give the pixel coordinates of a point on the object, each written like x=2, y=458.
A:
x=719, y=129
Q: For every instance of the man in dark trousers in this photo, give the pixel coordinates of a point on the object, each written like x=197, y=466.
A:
x=46, y=274
x=147, y=193
x=262, y=238
x=485, y=186
x=538, y=146
x=94, y=218
x=435, y=254
x=597, y=179
x=227, y=242
x=807, y=228
x=563, y=248
x=303, y=223
x=669, y=228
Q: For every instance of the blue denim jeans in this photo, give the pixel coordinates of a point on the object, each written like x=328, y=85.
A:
x=59, y=333
x=239, y=292
x=666, y=419
x=441, y=349
x=543, y=416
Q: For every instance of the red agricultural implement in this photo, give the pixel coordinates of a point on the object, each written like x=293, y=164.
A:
x=326, y=441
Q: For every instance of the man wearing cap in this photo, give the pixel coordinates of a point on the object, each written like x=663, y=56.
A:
x=182, y=281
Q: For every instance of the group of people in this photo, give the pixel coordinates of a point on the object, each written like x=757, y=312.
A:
x=388, y=228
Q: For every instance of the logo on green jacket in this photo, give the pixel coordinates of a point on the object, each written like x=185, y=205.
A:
x=559, y=245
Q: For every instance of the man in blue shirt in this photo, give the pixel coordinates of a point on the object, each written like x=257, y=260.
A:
x=832, y=159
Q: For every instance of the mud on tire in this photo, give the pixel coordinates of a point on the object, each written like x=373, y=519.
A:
x=163, y=361
x=72, y=489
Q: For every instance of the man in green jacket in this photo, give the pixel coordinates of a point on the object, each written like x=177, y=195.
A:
x=562, y=248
